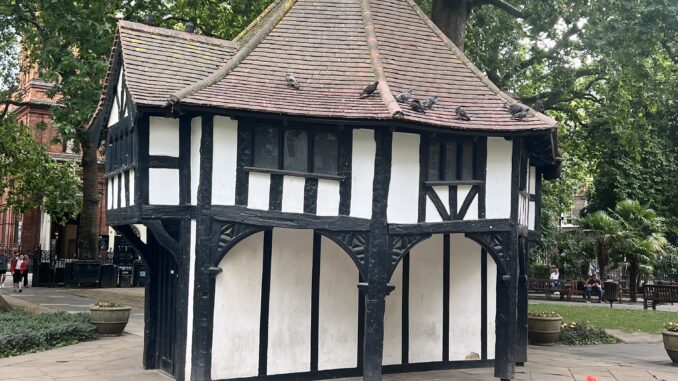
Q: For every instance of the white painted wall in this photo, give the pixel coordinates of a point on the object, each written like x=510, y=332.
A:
x=293, y=194
x=498, y=182
x=116, y=181
x=532, y=180
x=531, y=216
x=338, y=308
x=426, y=301
x=132, y=195
x=491, y=306
x=289, y=322
x=465, y=296
x=328, y=198
x=196, y=135
x=462, y=192
x=123, y=194
x=163, y=137
x=109, y=193
x=432, y=214
x=163, y=186
x=393, y=320
x=189, y=315
x=237, y=304
x=258, y=191
x=403, y=194
x=113, y=117
x=362, y=172
x=225, y=156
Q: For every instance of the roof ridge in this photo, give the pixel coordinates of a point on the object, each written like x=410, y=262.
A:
x=377, y=66
x=259, y=19
x=474, y=69
x=231, y=64
x=175, y=33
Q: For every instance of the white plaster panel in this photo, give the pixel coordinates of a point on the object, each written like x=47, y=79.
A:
x=465, y=296
x=432, y=214
x=131, y=177
x=116, y=180
x=189, y=312
x=123, y=194
x=393, y=320
x=531, y=216
x=225, y=156
x=533, y=180
x=119, y=89
x=237, y=309
x=293, y=194
x=472, y=212
x=426, y=301
x=289, y=321
x=163, y=186
x=259, y=189
x=362, y=172
x=491, y=306
x=109, y=193
x=196, y=135
x=163, y=136
x=328, y=198
x=498, y=182
x=403, y=193
x=113, y=116
x=338, y=308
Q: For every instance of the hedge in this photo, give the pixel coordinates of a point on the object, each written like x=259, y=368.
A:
x=22, y=332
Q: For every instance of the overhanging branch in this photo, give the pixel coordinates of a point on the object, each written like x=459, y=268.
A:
x=501, y=4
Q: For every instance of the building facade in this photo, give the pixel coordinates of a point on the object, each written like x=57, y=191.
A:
x=318, y=232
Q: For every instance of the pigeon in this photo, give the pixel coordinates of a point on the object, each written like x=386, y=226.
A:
x=539, y=105
x=417, y=106
x=461, y=114
x=430, y=101
x=404, y=96
x=292, y=82
x=521, y=115
x=514, y=108
x=369, y=90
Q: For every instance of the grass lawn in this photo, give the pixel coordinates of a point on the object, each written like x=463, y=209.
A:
x=612, y=318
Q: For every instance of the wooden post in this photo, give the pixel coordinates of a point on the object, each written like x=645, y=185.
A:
x=506, y=332
x=521, y=343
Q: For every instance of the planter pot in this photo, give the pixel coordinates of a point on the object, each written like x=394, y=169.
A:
x=109, y=320
x=543, y=330
x=671, y=345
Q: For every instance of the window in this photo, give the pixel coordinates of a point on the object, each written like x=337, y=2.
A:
x=451, y=160
x=302, y=150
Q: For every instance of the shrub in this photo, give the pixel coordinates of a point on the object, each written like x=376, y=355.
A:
x=581, y=333
x=543, y=314
x=22, y=332
x=671, y=327
x=108, y=304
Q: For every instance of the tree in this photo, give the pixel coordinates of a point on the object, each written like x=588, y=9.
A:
x=601, y=232
x=641, y=240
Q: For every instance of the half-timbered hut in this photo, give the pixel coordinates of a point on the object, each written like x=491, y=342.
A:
x=312, y=233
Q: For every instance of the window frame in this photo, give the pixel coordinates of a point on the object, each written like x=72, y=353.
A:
x=459, y=142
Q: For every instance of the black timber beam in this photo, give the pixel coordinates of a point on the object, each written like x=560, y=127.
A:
x=271, y=219
x=458, y=226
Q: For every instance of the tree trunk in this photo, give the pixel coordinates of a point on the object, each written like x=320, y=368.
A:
x=451, y=17
x=633, y=281
x=88, y=228
x=602, y=262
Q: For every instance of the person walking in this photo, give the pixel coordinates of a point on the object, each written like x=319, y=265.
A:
x=17, y=269
x=4, y=261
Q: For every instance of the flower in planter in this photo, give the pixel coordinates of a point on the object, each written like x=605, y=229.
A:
x=108, y=304
x=543, y=314
x=671, y=326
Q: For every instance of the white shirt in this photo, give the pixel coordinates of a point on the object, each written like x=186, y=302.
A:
x=555, y=275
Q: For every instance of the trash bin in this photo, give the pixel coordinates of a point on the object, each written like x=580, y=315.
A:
x=612, y=292
x=140, y=275
x=109, y=276
x=125, y=276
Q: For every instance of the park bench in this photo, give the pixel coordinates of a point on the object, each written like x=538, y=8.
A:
x=572, y=288
x=544, y=286
x=658, y=294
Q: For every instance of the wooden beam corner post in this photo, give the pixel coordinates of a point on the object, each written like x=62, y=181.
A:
x=506, y=318
x=521, y=340
x=378, y=261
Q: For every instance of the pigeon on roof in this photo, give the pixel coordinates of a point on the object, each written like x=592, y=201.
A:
x=521, y=115
x=417, y=106
x=539, y=105
x=462, y=114
x=430, y=101
x=369, y=89
x=404, y=96
x=514, y=108
x=292, y=82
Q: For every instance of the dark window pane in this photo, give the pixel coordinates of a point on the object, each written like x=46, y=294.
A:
x=467, y=161
x=451, y=160
x=325, y=153
x=266, y=148
x=296, y=151
x=434, y=161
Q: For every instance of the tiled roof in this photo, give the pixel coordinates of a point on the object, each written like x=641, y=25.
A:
x=334, y=48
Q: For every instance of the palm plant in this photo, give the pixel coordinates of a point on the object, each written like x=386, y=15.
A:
x=601, y=231
x=640, y=242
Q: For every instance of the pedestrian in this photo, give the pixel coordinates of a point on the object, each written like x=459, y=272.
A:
x=27, y=259
x=17, y=269
x=555, y=280
x=4, y=259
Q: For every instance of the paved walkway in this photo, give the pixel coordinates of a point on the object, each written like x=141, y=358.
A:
x=116, y=358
